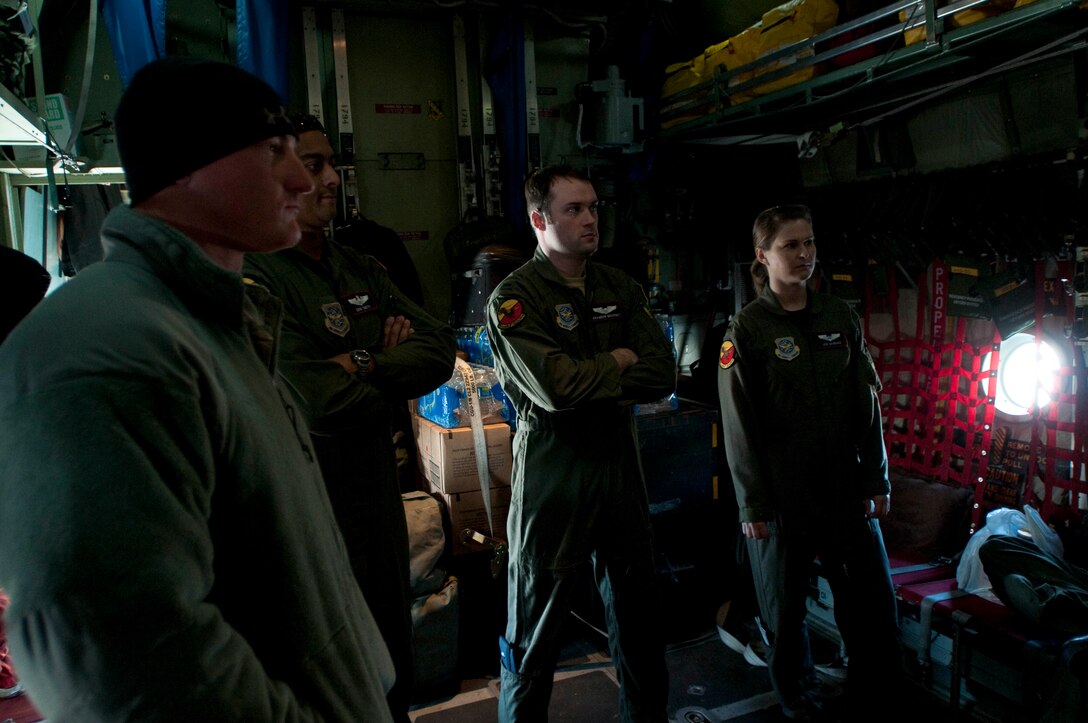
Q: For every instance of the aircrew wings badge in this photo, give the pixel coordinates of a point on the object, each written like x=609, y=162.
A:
x=728, y=355
x=510, y=313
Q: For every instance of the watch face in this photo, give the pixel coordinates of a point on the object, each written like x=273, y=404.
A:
x=361, y=357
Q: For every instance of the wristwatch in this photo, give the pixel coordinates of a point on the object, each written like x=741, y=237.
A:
x=362, y=359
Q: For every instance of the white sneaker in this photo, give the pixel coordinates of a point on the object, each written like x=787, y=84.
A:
x=731, y=642
x=754, y=658
x=835, y=671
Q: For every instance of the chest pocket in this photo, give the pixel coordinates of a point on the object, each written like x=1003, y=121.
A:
x=358, y=303
x=831, y=349
x=607, y=318
x=600, y=323
x=804, y=360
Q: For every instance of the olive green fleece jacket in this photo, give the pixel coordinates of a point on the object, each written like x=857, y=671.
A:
x=164, y=531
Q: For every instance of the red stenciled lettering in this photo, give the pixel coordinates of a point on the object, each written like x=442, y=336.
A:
x=940, y=301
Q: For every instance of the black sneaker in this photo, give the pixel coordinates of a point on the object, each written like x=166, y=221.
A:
x=834, y=670
x=804, y=708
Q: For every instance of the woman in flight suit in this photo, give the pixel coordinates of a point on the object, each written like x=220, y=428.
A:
x=802, y=434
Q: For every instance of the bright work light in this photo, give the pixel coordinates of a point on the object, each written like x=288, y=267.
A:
x=1025, y=375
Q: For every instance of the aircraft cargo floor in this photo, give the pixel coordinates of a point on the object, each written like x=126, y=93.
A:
x=708, y=683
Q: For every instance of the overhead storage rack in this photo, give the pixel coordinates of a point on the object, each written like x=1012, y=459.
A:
x=868, y=68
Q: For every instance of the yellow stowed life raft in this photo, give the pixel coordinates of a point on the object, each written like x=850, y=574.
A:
x=784, y=25
x=962, y=19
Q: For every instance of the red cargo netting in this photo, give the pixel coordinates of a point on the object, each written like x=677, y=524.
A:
x=939, y=416
x=938, y=419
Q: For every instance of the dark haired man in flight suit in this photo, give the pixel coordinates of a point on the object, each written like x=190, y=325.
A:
x=354, y=346
x=575, y=346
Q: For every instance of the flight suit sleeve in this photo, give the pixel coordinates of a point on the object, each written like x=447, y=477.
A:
x=871, y=449
x=738, y=377
x=424, y=360
x=416, y=366
x=529, y=357
x=654, y=376
x=322, y=387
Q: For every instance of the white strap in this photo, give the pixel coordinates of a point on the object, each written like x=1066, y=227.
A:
x=479, y=439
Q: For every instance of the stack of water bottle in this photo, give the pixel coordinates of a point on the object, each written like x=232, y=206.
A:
x=444, y=406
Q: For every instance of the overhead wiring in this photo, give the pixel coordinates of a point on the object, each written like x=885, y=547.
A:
x=85, y=83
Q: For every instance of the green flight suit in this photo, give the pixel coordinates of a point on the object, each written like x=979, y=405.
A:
x=802, y=433
x=333, y=306
x=578, y=492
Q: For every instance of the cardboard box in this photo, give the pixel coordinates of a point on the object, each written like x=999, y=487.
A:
x=447, y=457
x=467, y=512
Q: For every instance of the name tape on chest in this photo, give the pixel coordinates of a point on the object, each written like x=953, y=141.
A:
x=360, y=302
x=830, y=340
x=607, y=312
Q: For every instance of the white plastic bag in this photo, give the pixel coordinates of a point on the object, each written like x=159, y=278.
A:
x=1041, y=534
x=970, y=576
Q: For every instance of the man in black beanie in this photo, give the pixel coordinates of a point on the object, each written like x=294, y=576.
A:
x=169, y=548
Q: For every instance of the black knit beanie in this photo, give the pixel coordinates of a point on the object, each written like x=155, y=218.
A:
x=180, y=114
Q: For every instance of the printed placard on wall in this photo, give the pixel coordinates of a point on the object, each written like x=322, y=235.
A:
x=398, y=108
x=1008, y=468
x=964, y=296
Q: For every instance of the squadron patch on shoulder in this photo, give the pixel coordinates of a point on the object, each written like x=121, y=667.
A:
x=785, y=348
x=565, y=316
x=335, y=320
x=728, y=355
x=510, y=313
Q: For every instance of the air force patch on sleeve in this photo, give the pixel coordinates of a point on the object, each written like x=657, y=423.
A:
x=510, y=312
x=728, y=355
